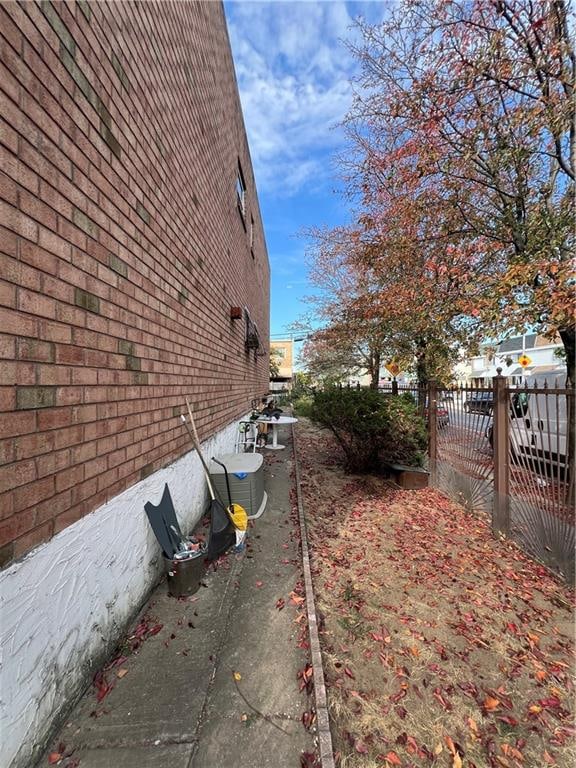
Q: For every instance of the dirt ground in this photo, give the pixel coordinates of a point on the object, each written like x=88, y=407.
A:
x=442, y=645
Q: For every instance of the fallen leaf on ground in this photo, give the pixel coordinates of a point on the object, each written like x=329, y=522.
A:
x=309, y=760
x=296, y=599
x=490, y=704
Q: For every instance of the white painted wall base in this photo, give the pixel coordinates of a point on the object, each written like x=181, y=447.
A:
x=66, y=604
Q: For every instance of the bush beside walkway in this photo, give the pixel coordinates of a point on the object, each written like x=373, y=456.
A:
x=442, y=645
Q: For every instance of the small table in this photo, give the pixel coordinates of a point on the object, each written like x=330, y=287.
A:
x=275, y=424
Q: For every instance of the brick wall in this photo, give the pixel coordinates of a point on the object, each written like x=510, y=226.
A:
x=122, y=251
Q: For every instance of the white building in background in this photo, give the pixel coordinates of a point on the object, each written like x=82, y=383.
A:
x=541, y=352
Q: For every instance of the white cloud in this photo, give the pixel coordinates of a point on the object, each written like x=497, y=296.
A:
x=293, y=75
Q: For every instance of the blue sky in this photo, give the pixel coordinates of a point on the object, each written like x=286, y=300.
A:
x=294, y=77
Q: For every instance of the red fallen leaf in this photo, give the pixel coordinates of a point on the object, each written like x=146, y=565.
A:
x=402, y=739
x=102, y=685
x=309, y=760
x=360, y=747
x=425, y=752
x=155, y=629
x=259, y=583
x=490, y=704
x=296, y=599
x=450, y=744
x=512, y=752
x=553, y=702
x=305, y=676
x=401, y=712
x=392, y=758
x=349, y=673
x=117, y=662
x=508, y=719
x=308, y=719
x=402, y=672
x=549, y=759
x=438, y=696
x=54, y=757
x=412, y=746
x=395, y=698
x=280, y=603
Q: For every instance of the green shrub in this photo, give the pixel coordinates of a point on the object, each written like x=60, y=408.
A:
x=372, y=428
x=303, y=405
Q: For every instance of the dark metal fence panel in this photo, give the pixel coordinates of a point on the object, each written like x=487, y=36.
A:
x=541, y=497
x=411, y=389
x=503, y=451
x=463, y=456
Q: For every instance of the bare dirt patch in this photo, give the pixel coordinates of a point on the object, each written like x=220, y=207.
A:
x=442, y=645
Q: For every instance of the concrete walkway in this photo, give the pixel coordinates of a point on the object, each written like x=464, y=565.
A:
x=179, y=703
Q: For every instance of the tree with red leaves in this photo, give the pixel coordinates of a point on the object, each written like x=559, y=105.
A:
x=468, y=109
x=352, y=339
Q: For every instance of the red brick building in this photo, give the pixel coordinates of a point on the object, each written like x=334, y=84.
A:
x=130, y=227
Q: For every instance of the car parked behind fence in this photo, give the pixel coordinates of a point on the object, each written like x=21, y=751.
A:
x=479, y=402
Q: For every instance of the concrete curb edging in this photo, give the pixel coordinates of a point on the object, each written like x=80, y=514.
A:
x=322, y=714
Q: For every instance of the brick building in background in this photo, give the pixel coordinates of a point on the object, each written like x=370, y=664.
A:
x=130, y=227
x=282, y=352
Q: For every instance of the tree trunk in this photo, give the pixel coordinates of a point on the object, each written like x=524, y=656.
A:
x=568, y=336
x=374, y=370
x=421, y=374
x=421, y=370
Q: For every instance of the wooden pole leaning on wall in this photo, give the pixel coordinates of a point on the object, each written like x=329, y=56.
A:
x=501, y=457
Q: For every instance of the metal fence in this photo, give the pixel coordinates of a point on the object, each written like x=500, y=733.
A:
x=507, y=452
x=504, y=451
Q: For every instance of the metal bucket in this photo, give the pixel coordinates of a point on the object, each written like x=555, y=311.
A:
x=184, y=576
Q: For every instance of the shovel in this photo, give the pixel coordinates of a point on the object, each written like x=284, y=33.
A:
x=222, y=531
x=162, y=518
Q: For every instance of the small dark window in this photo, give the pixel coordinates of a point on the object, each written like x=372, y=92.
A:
x=252, y=235
x=241, y=191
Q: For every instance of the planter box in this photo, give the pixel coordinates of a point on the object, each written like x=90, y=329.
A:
x=409, y=478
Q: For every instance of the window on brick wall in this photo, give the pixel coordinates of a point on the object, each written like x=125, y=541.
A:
x=252, y=235
x=241, y=192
